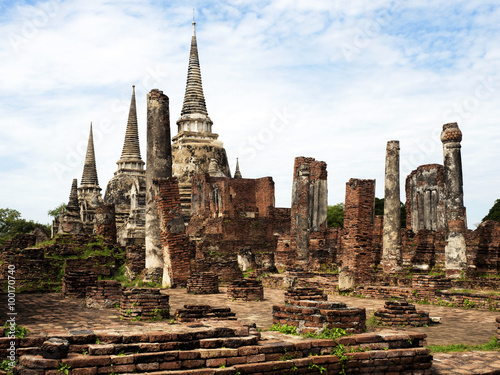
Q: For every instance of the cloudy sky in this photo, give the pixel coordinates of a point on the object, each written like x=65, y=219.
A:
x=330, y=79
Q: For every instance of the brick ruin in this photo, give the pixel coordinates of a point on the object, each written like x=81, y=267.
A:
x=316, y=316
x=245, y=290
x=186, y=222
x=401, y=313
x=144, y=303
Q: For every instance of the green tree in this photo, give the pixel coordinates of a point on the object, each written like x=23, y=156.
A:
x=379, y=210
x=11, y=224
x=494, y=213
x=335, y=215
x=56, y=212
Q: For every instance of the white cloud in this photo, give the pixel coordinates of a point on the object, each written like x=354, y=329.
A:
x=331, y=80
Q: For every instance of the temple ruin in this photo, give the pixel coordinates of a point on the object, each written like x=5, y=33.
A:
x=179, y=220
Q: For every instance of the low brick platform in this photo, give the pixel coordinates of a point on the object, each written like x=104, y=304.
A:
x=203, y=283
x=245, y=290
x=401, y=313
x=293, y=295
x=314, y=317
x=106, y=294
x=144, y=304
x=222, y=350
x=191, y=313
x=75, y=283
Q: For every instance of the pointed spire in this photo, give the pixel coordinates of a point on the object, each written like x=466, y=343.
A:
x=237, y=173
x=194, y=100
x=89, y=176
x=73, y=198
x=131, y=148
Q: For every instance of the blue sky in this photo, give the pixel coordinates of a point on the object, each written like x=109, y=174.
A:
x=334, y=80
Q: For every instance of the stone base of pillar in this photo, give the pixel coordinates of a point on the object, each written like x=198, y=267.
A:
x=391, y=266
x=153, y=275
x=346, y=280
x=457, y=273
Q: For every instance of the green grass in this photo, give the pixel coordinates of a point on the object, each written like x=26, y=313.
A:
x=284, y=328
x=329, y=334
x=493, y=345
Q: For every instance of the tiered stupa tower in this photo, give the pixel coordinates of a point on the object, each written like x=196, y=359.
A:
x=127, y=189
x=89, y=192
x=195, y=147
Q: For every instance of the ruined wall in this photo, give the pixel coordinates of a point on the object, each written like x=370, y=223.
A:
x=232, y=198
x=424, y=250
x=230, y=215
x=483, y=248
x=309, y=204
x=425, y=198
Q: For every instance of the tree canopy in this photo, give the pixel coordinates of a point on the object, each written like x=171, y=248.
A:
x=335, y=215
x=11, y=223
x=494, y=213
x=56, y=212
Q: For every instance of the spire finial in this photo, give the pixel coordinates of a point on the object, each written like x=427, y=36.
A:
x=194, y=25
x=237, y=173
x=89, y=176
x=131, y=150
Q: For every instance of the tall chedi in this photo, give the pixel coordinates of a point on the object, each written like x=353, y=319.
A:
x=195, y=148
x=127, y=189
x=89, y=192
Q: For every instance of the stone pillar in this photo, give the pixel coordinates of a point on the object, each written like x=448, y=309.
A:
x=175, y=245
x=309, y=203
x=391, y=254
x=357, y=251
x=159, y=165
x=105, y=223
x=456, y=224
x=300, y=212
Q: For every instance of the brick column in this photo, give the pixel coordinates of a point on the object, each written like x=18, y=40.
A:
x=105, y=222
x=391, y=254
x=159, y=165
x=175, y=246
x=357, y=250
x=455, y=249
